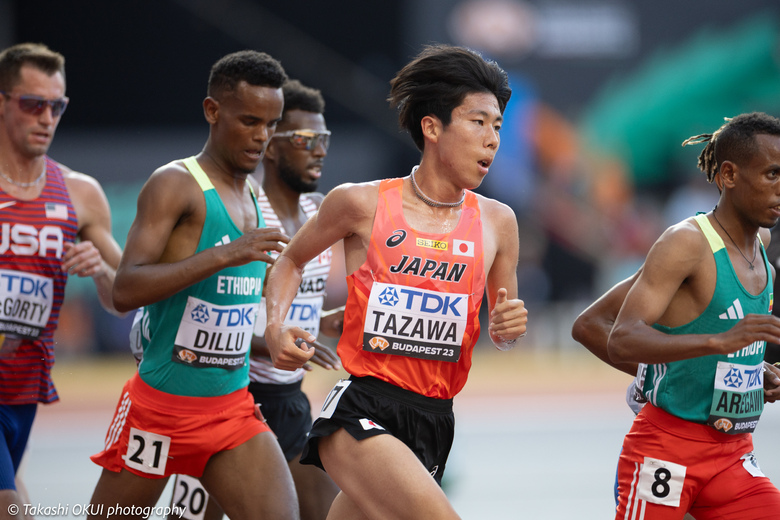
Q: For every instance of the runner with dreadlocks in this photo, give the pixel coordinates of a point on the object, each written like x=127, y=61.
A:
x=696, y=319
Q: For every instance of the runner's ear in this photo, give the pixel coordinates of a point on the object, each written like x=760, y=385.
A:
x=211, y=110
x=431, y=128
x=727, y=173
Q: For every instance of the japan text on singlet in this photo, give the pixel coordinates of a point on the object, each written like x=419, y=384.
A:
x=722, y=391
x=32, y=286
x=306, y=308
x=412, y=314
x=196, y=342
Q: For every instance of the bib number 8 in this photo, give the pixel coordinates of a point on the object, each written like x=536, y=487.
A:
x=660, y=488
x=661, y=482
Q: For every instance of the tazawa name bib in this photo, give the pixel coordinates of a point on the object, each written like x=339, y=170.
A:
x=415, y=322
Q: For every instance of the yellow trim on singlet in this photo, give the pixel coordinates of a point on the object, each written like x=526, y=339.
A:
x=200, y=176
x=203, y=180
x=716, y=243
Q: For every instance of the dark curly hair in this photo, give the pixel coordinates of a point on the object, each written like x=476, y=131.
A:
x=298, y=96
x=734, y=141
x=256, y=68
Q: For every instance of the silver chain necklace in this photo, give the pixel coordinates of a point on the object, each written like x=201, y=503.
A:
x=25, y=184
x=429, y=201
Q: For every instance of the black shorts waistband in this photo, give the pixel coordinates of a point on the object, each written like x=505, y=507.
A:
x=276, y=390
x=392, y=391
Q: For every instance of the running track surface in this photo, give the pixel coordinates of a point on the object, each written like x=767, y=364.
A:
x=537, y=434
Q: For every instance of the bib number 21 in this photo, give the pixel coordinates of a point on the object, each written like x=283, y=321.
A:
x=147, y=451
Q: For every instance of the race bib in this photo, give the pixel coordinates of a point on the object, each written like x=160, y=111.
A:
x=750, y=463
x=661, y=482
x=147, y=451
x=25, y=303
x=407, y=321
x=738, y=397
x=212, y=335
x=189, y=496
x=332, y=401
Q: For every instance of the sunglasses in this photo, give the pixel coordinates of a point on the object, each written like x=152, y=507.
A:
x=306, y=139
x=35, y=105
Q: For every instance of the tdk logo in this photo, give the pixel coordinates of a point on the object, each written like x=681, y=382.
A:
x=754, y=377
x=431, y=303
x=733, y=378
x=232, y=317
x=303, y=312
x=18, y=283
x=200, y=314
x=388, y=297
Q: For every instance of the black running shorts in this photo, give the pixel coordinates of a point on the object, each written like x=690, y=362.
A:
x=288, y=412
x=366, y=406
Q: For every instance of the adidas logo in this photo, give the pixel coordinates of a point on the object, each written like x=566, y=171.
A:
x=225, y=240
x=734, y=312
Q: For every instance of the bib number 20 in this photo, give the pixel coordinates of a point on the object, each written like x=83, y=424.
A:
x=190, y=497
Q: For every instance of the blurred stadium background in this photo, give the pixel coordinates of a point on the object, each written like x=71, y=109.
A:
x=605, y=91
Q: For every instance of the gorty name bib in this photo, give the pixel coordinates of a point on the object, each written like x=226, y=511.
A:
x=25, y=303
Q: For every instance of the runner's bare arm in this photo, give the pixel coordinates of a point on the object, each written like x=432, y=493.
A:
x=508, y=315
x=97, y=253
x=159, y=258
x=676, y=257
x=346, y=213
x=593, y=325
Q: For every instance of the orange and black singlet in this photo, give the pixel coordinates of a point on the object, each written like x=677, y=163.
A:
x=412, y=315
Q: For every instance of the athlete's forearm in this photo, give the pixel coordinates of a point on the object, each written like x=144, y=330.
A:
x=640, y=343
x=136, y=286
x=280, y=289
x=104, y=284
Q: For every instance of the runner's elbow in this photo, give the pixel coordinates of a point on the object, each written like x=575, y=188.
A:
x=616, y=348
x=579, y=330
x=122, y=299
